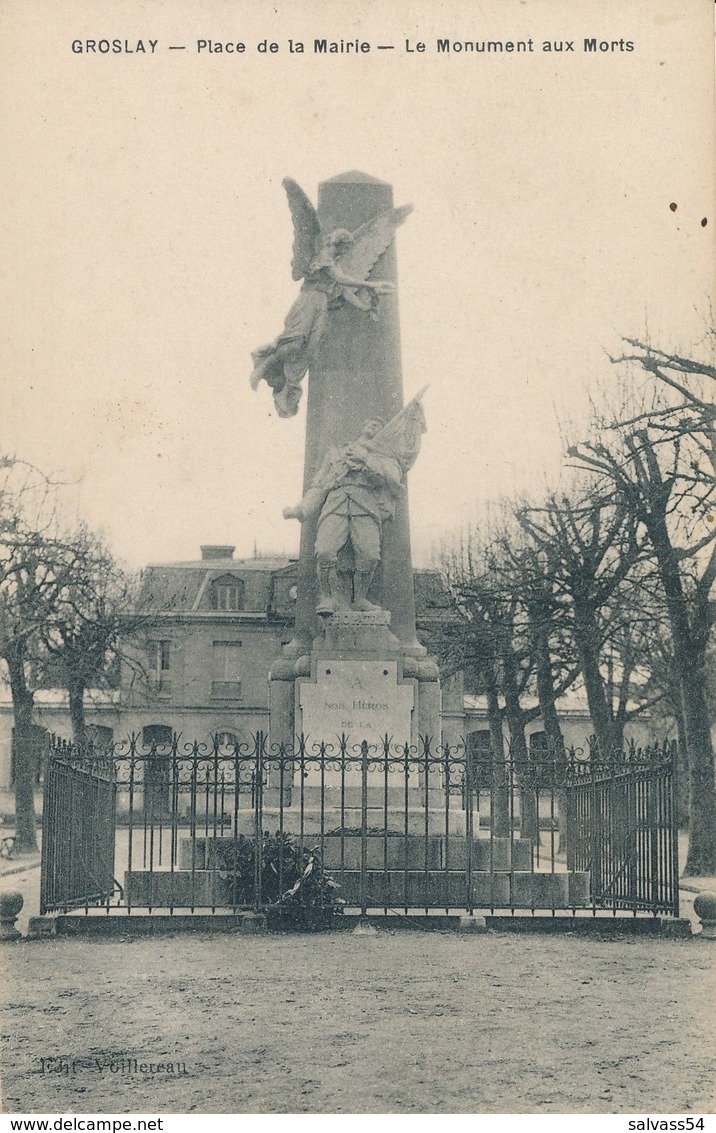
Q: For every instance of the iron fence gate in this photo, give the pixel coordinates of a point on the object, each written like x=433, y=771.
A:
x=623, y=828
x=195, y=826
x=78, y=831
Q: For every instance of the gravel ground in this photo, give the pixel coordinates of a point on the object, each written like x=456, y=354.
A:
x=402, y=1022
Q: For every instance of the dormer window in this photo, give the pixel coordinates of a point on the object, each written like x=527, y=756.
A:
x=227, y=593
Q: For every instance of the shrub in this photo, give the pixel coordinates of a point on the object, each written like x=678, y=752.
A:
x=311, y=903
x=296, y=890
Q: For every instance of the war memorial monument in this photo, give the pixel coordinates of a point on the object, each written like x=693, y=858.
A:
x=355, y=775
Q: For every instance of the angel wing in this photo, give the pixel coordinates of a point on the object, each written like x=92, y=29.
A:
x=307, y=238
x=402, y=435
x=371, y=240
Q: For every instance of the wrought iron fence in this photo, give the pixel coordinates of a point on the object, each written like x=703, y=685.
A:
x=405, y=828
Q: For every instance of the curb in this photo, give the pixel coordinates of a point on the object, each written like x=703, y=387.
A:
x=557, y=925
x=20, y=869
x=145, y=924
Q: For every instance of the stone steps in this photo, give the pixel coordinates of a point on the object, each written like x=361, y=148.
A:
x=414, y=851
x=433, y=888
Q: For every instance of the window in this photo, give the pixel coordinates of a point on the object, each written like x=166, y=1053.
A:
x=539, y=744
x=100, y=737
x=157, y=742
x=157, y=735
x=226, y=670
x=227, y=593
x=479, y=751
x=159, y=655
x=226, y=741
x=479, y=744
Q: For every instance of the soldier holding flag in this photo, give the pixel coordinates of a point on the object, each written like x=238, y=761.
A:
x=355, y=491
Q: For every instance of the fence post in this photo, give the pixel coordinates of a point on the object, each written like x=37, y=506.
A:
x=469, y=835
x=259, y=741
x=674, y=803
x=364, y=828
x=596, y=834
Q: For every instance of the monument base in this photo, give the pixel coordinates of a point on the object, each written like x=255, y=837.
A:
x=358, y=683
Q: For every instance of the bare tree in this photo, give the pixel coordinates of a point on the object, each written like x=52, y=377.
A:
x=531, y=578
x=63, y=601
x=588, y=547
x=94, y=620
x=659, y=460
x=506, y=641
x=32, y=576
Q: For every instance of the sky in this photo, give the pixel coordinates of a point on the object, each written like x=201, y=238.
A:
x=148, y=240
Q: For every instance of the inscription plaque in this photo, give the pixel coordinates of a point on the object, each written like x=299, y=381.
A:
x=359, y=698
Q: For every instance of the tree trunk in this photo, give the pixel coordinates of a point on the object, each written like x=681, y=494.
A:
x=586, y=636
x=689, y=647
x=76, y=693
x=529, y=818
x=25, y=764
x=499, y=796
x=553, y=732
x=618, y=734
x=546, y=697
x=701, y=856
x=682, y=768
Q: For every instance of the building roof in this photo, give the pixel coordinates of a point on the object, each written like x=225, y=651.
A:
x=269, y=563
x=184, y=587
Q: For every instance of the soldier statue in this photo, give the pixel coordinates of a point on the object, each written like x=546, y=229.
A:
x=354, y=493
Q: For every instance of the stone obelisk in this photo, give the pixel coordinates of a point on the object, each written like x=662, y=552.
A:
x=356, y=375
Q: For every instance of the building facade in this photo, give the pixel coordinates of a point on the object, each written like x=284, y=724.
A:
x=200, y=668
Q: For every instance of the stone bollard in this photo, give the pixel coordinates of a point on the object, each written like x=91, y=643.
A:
x=705, y=909
x=364, y=928
x=41, y=928
x=469, y=922
x=10, y=904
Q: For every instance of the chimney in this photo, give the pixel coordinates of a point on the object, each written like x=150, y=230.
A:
x=217, y=551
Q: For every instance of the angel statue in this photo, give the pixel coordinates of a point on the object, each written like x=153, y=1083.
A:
x=355, y=492
x=334, y=268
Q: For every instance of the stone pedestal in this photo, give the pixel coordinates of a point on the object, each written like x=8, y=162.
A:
x=364, y=699
x=356, y=682
x=705, y=909
x=358, y=686
x=11, y=903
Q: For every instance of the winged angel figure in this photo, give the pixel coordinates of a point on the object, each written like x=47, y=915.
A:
x=334, y=268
